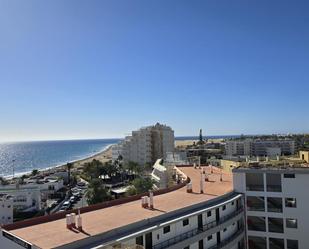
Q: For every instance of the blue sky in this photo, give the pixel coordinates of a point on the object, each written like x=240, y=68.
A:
x=98, y=69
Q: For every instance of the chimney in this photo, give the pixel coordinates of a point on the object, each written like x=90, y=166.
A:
x=202, y=183
x=189, y=187
x=79, y=221
x=151, y=199
x=73, y=218
x=145, y=201
x=68, y=221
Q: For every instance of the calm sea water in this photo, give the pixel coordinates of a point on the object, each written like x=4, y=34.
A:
x=26, y=156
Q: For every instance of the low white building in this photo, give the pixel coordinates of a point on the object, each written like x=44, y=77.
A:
x=6, y=209
x=25, y=199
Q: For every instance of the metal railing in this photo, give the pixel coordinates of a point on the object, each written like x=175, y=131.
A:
x=229, y=239
x=196, y=231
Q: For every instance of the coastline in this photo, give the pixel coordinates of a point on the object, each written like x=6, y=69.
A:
x=104, y=155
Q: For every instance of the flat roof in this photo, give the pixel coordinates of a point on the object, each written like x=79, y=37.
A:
x=54, y=233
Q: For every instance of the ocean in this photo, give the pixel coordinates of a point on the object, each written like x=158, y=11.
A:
x=26, y=156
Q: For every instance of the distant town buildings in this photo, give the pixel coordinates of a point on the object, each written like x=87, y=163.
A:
x=146, y=145
x=251, y=147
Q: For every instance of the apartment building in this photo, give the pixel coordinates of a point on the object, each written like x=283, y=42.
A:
x=250, y=147
x=194, y=214
x=25, y=199
x=6, y=209
x=276, y=205
x=146, y=145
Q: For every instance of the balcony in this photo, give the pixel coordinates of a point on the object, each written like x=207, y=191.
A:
x=227, y=241
x=191, y=233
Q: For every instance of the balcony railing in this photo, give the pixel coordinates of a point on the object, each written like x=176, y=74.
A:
x=196, y=231
x=228, y=240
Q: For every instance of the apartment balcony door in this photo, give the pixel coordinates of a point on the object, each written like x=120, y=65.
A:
x=200, y=221
x=148, y=239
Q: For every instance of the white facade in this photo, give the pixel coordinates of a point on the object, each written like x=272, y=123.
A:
x=250, y=147
x=277, y=206
x=146, y=145
x=6, y=209
x=24, y=199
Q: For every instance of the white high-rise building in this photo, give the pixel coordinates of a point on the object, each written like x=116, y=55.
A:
x=276, y=205
x=146, y=145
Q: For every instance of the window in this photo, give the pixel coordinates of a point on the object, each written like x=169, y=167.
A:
x=254, y=182
x=274, y=204
x=256, y=223
x=185, y=222
x=275, y=225
x=223, y=207
x=273, y=182
x=232, y=203
x=257, y=242
x=255, y=203
x=290, y=202
x=275, y=243
x=139, y=240
x=292, y=244
x=208, y=213
x=187, y=247
x=201, y=244
x=209, y=237
x=289, y=175
x=166, y=229
x=224, y=230
x=291, y=223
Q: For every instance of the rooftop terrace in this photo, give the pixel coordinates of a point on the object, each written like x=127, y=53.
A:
x=54, y=233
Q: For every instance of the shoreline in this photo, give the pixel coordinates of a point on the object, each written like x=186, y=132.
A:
x=105, y=153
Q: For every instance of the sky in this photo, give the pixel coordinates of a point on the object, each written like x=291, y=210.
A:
x=100, y=69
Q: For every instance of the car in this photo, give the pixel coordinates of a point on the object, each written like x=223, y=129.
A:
x=62, y=209
x=72, y=199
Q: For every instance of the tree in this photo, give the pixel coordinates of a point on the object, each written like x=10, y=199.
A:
x=69, y=167
x=34, y=172
x=142, y=185
x=97, y=192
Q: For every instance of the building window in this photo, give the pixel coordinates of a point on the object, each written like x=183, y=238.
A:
x=256, y=223
x=275, y=225
x=185, y=222
x=166, y=229
x=187, y=247
x=254, y=182
x=275, y=243
x=274, y=204
x=209, y=237
x=223, y=207
x=291, y=223
x=290, y=202
x=201, y=244
x=257, y=242
x=224, y=230
x=208, y=213
x=232, y=203
x=255, y=203
x=292, y=244
x=139, y=240
x=289, y=175
x=273, y=182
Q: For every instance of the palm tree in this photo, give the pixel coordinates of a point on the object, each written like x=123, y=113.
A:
x=69, y=167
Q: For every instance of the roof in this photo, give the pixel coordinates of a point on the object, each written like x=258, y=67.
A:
x=54, y=233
